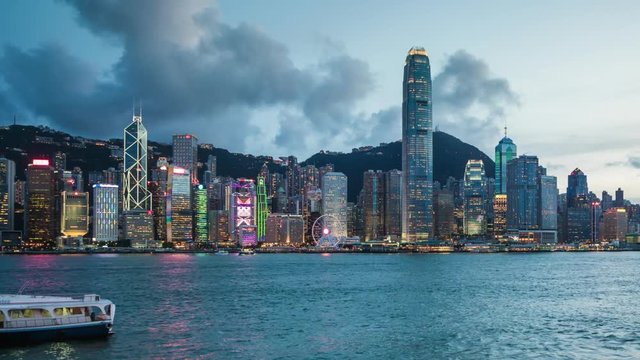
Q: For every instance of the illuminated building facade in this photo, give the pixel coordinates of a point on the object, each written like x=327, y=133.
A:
x=179, y=213
x=40, y=213
x=74, y=221
x=506, y=151
x=334, y=203
x=262, y=212
x=475, y=217
x=285, y=230
x=7, y=194
x=105, y=212
x=201, y=221
x=417, y=148
x=185, y=154
x=615, y=224
x=243, y=213
x=137, y=227
x=500, y=215
x=579, y=220
x=219, y=228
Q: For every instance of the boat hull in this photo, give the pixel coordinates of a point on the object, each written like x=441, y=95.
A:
x=12, y=337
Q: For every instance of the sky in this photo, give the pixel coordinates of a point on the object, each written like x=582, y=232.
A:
x=294, y=77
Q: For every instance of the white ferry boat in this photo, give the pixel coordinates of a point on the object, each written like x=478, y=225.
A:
x=247, y=251
x=33, y=318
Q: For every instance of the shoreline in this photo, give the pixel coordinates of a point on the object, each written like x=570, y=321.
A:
x=294, y=251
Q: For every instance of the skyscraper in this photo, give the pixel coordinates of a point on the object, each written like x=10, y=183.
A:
x=40, y=213
x=7, y=194
x=334, y=203
x=185, y=154
x=417, y=148
x=179, y=213
x=576, y=186
x=548, y=206
x=137, y=222
x=475, y=217
x=242, y=221
x=615, y=224
x=619, y=202
x=136, y=195
x=522, y=193
x=506, y=150
x=105, y=212
x=262, y=211
x=74, y=220
x=393, y=203
x=373, y=204
x=201, y=215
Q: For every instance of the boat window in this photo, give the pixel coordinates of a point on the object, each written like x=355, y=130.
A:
x=45, y=313
x=59, y=312
x=108, y=309
x=76, y=311
x=15, y=314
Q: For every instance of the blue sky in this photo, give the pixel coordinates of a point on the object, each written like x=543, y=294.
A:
x=563, y=75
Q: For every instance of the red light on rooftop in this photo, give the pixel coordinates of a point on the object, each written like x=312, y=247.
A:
x=188, y=136
x=44, y=162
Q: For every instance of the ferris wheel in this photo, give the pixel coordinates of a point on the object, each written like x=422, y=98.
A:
x=322, y=231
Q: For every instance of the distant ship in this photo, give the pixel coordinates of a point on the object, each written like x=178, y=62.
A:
x=26, y=319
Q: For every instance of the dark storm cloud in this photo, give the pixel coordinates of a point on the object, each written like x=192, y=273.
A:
x=194, y=73
x=468, y=101
x=190, y=70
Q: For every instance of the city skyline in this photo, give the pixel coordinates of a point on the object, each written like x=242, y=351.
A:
x=540, y=98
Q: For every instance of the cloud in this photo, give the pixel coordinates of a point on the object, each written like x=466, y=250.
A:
x=634, y=161
x=468, y=101
x=191, y=71
x=194, y=73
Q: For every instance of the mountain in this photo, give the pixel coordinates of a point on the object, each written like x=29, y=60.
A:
x=23, y=143
x=450, y=157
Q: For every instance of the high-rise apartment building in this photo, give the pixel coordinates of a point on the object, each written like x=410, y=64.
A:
x=417, y=148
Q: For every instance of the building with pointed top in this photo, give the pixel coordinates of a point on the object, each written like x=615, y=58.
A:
x=417, y=148
x=506, y=151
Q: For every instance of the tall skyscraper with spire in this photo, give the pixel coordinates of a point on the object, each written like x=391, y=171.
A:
x=506, y=150
x=136, y=203
x=136, y=195
x=417, y=148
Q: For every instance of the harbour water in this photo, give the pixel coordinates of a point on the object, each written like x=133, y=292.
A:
x=342, y=306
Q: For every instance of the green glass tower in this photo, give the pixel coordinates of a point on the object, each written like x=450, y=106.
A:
x=506, y=151
x=202, y=224
x=262, y=210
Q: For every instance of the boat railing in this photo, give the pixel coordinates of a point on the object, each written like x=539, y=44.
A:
x=27, y=323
